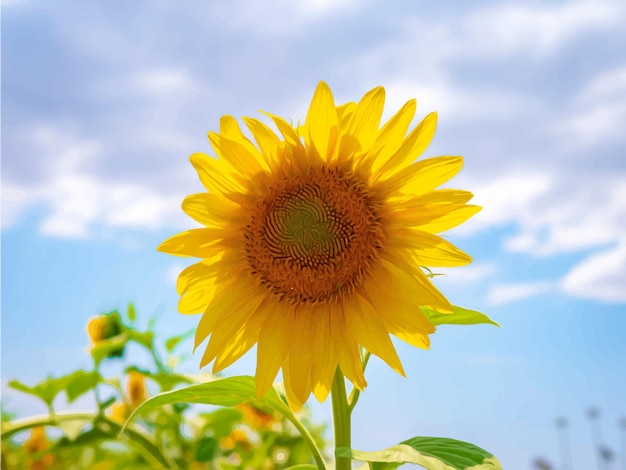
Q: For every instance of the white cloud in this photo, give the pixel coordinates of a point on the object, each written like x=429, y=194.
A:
x=538, y=30
x=598, y=112
x=505, y=198
x=279, y=18
x=453, y=102
x=501, y=294
x=601, y=276
x=77, y=199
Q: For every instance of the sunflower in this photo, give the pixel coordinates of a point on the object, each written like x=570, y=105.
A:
x=315, y=242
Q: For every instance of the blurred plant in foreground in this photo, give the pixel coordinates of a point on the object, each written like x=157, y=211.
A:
x=174, y=436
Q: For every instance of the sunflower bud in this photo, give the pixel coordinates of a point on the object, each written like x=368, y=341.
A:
x=104, y=327
x=137, y=392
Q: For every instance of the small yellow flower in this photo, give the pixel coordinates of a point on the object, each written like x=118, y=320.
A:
x=34, y=446
x=256, y=418
x=236, y=437
x=103, y=327
x=118, y=412
x=315, y=239
x=136, y=388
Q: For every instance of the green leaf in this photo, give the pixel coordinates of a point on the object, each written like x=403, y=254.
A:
x=143, y=338
x=432, y=453
x=167, y=380
x=220, y=421
x=79, y=383
x=132, y=314
x=46, y=390
x=172, y=342
x=303, y=466
x=72, y=428
x=230, y=391
x=459, y=316
x=206, y=449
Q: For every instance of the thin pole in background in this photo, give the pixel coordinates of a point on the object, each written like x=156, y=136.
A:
x=596, y=439
x=564, y=447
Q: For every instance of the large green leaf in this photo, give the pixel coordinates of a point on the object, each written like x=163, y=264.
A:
x=230, y=391
x=459, y=316
x=432, y=453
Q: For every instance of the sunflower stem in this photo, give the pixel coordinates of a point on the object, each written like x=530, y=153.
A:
x=341, y=419
x=306, y=435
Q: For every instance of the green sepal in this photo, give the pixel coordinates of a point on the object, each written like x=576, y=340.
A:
x=459, y=316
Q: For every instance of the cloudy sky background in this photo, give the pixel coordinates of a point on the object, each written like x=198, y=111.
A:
x=102, y=102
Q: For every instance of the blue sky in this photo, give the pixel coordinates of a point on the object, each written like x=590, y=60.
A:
x=102, y=102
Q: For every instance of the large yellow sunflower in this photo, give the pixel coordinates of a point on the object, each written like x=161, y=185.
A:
x=315, y=241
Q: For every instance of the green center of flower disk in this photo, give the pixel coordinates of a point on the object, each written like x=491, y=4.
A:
x=313, y=239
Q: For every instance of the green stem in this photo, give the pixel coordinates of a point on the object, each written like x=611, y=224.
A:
x=341, y=419
x=306, y=435
x=148, y=449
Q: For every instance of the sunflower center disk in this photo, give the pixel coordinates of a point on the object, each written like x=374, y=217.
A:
x=313, y=239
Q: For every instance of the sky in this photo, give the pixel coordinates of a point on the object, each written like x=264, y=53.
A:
x=103, y=102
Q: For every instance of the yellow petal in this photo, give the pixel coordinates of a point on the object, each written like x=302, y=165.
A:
x=302, y=353
x=228, y=323
x=227, y=299
x=391, y=136
x=211, y=209
x=214, y=175
x=273, y=347
x=325, y=363
x=240, y=158
x=429, y=249
x=413, y=146
x=438, y=196
x=321, y=122
x=432, y=218
x=198, y=242
x=265, y=138
x=371, y=333
x=229, y=128
x=423, y=176
x=347, y=348
x=414, y=283
x=246, y=337
x=366, y=118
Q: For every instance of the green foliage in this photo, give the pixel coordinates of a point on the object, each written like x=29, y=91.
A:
x=46, y=390
x=207, y=447
x=80, y=382
x=459, y=316
x=207, y=422
x=432, y=453
x=229, y=391
x=166, y=431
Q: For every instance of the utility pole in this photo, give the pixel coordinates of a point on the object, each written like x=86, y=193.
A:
x=564, y=447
